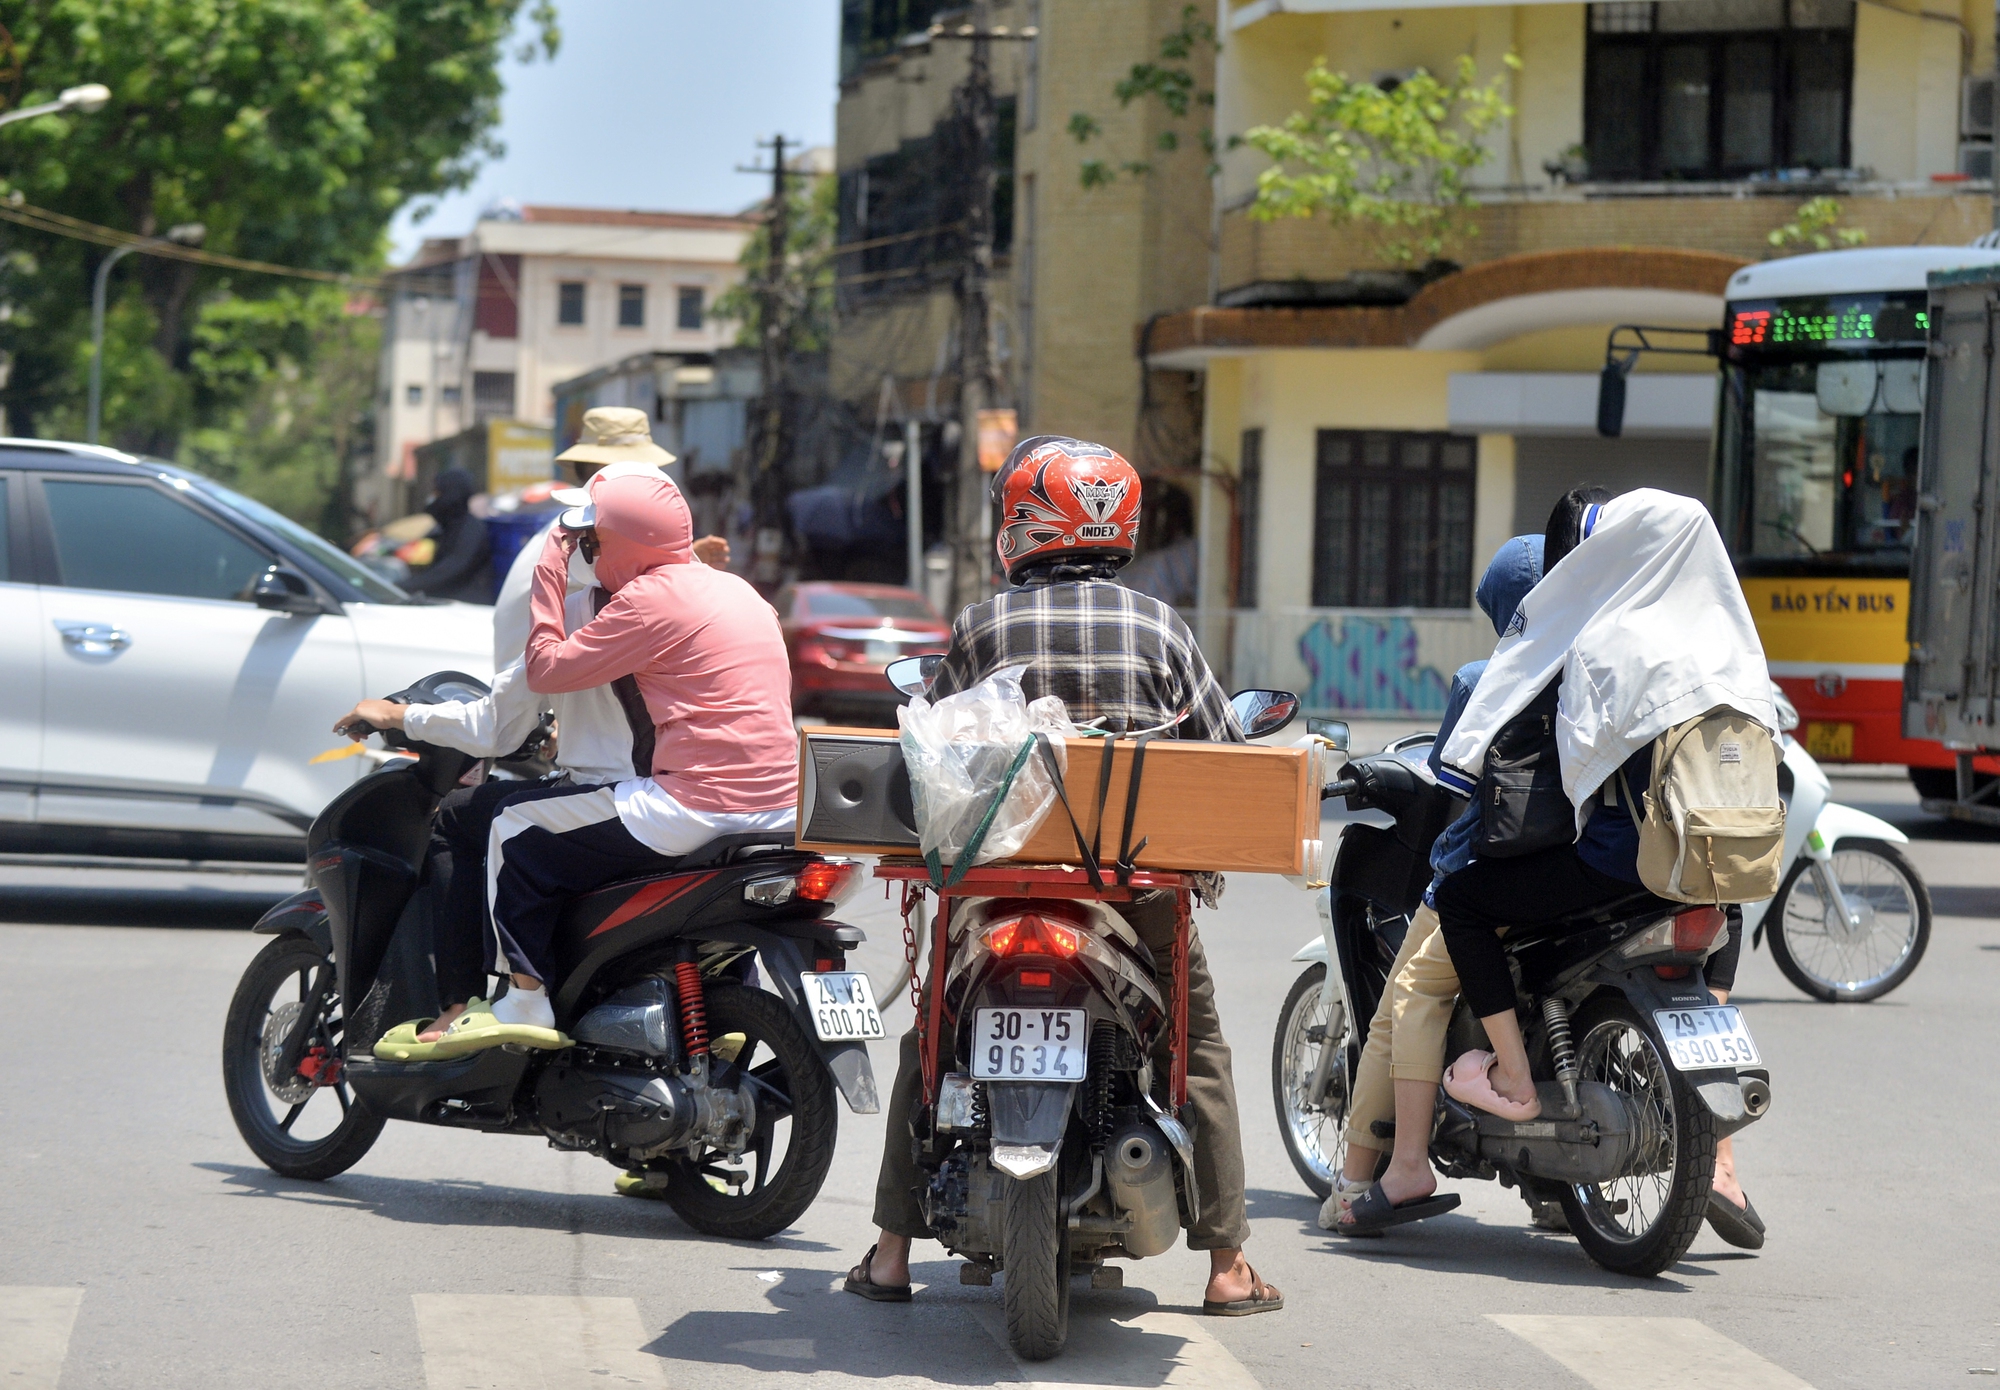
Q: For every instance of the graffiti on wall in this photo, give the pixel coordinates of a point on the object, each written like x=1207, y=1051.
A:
x=1369, y=664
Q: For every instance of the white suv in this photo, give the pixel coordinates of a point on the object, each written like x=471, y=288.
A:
x=173, y=655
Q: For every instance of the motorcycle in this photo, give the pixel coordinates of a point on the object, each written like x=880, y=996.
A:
x=1046, y=1138
x=681, y=1067
x=1852, y=916
x=1638, y=1070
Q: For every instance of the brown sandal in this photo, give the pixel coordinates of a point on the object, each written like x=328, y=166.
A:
x=1264, y=1298
x=861, y=1281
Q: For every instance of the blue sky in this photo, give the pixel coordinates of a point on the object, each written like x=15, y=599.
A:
x=652, y=104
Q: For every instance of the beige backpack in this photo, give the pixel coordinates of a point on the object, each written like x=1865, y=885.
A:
x=1713, y=828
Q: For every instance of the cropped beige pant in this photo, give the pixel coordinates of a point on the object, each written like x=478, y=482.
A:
x=1406, y=1036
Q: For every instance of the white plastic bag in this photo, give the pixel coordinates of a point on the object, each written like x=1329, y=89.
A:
x=961, y=752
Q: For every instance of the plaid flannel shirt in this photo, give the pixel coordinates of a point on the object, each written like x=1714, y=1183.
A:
x=1103, y=648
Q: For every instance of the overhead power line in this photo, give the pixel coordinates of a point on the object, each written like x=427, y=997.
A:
x=60, y=224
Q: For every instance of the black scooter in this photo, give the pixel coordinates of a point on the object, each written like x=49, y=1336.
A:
x=1639, y=1072
x=682, y=1067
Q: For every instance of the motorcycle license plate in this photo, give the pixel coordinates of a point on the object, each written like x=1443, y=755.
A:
x=881, y=653
x=843, y=1006
x=1830, y=740
x=1028, y=1044
x=1698, y=1039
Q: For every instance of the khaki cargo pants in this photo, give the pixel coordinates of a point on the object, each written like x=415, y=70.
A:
x=1406, y=1036
x=1218, y=1137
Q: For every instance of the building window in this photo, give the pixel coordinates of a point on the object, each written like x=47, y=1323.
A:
x=1249, y=501
x=631, y=306
x=492, y=396
x=448, y=395
x=414, y=394
x=1717, y=89
x=569, y=302
x=1392, y=519
x=688, y=307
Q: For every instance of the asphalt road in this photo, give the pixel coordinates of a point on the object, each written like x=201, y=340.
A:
x=142, y=1246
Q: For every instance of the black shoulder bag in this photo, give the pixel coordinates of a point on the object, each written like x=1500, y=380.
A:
x=1522, y=806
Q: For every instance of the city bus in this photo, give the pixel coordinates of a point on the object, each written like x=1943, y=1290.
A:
x=1815, y=484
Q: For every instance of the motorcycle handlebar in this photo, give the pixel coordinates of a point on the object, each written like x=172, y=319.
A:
x=1347, y=786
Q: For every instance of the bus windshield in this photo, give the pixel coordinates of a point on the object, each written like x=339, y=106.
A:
x=1819, y=463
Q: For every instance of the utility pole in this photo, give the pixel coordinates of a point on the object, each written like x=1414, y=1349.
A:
x=971, y=509
x=968, y=511
x=769, y=444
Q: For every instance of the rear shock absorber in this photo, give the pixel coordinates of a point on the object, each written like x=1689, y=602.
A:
x=1562, y=1048
x=694, y=1009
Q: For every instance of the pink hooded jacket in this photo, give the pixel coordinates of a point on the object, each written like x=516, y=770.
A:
x=703, y=645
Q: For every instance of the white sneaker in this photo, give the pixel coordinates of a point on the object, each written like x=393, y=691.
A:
x=526, y=1006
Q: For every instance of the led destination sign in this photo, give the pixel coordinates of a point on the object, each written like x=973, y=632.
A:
x=1829, y=321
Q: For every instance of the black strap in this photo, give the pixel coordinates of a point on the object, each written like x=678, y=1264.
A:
x=638, y=718
x=1126, y=849
x=1103, y=794
x=1087, y=852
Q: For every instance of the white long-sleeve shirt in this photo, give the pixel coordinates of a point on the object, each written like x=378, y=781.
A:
x=593, y=736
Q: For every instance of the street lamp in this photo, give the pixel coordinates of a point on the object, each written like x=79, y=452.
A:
x=187, y=234
x=91, y=96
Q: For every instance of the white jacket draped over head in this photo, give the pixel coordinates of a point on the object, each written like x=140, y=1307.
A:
x=1646, y=625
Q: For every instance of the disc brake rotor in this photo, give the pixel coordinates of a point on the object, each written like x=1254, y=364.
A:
x=292, y=1088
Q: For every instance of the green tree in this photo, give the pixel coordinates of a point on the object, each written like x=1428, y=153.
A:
x=1815, y=226
x=806, y=286
x=1394, y=158
x=1175, y=82
x=291, y=129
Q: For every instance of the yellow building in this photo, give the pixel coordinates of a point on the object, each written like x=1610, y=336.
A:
x=1365, y=459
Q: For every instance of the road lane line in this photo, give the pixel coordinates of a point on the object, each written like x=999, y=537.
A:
x=35, y=1325
x=518, y=1342
x=1649, y=1353
x=1155, y=1350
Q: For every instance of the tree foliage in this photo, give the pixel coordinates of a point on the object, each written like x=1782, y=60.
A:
x=1815, y=226
x=292, y=130
x=1393, y=157
x=1174, y=82
x=805, y=289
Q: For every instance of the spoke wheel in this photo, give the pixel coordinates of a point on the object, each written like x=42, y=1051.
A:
x=1314, y=1126
x=759, y=1192
x=1880, y=943
x=294, y=1121
x=1644, y=1220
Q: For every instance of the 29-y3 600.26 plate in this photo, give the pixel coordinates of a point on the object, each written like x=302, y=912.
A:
x=1028, y=1044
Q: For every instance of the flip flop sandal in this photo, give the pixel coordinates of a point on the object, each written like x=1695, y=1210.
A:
x=1740, y=1226
x=1264, y=1298
x=1469, y=1081
x=636, y=1185
x=1340, y=1201
x=866, y=1287
x=1371, y=1213
x=477, y=1029
x=400, y=1044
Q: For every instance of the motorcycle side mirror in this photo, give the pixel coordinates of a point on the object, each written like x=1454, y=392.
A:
x=912, y=675
x=1264, y=712
x=284, y=591
x=1334, y=731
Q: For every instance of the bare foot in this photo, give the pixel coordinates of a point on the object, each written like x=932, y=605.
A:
x=1517, y=1087
x=1725, y=1176
x=1229, y=1277
x=891, y=1266
x=440, y=1023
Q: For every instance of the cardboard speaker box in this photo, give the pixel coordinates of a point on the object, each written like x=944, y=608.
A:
x=1221, y=807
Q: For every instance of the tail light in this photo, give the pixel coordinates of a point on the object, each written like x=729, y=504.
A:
x=825, y=881
x=1030, y=935
x=1696, y=928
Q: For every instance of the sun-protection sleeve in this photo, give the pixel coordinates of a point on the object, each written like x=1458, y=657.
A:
x=617, y=642
x=488, y=728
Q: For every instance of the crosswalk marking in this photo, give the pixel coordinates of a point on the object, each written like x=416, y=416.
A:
x=518, y=1342
x=34, y=1335
x=1649, y=1353
x=1155, y=1350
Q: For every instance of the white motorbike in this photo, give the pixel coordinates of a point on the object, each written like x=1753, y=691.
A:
x=1848, y=924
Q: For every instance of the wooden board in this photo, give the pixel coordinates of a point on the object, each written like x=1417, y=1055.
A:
x=1222, y=807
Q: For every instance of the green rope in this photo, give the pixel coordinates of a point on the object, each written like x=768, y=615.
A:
x=971, y=850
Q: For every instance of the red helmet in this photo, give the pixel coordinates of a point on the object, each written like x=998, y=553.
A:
x=1062, y=499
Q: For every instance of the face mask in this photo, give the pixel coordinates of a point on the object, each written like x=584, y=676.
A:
x=582, y=574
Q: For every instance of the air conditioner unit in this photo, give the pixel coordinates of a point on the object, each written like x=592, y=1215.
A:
x=1975, y=106
x=1975, y=159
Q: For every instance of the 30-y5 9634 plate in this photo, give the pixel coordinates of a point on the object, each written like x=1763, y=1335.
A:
x=1028, y=1044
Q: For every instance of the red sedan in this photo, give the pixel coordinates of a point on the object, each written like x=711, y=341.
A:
x=841, y=636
